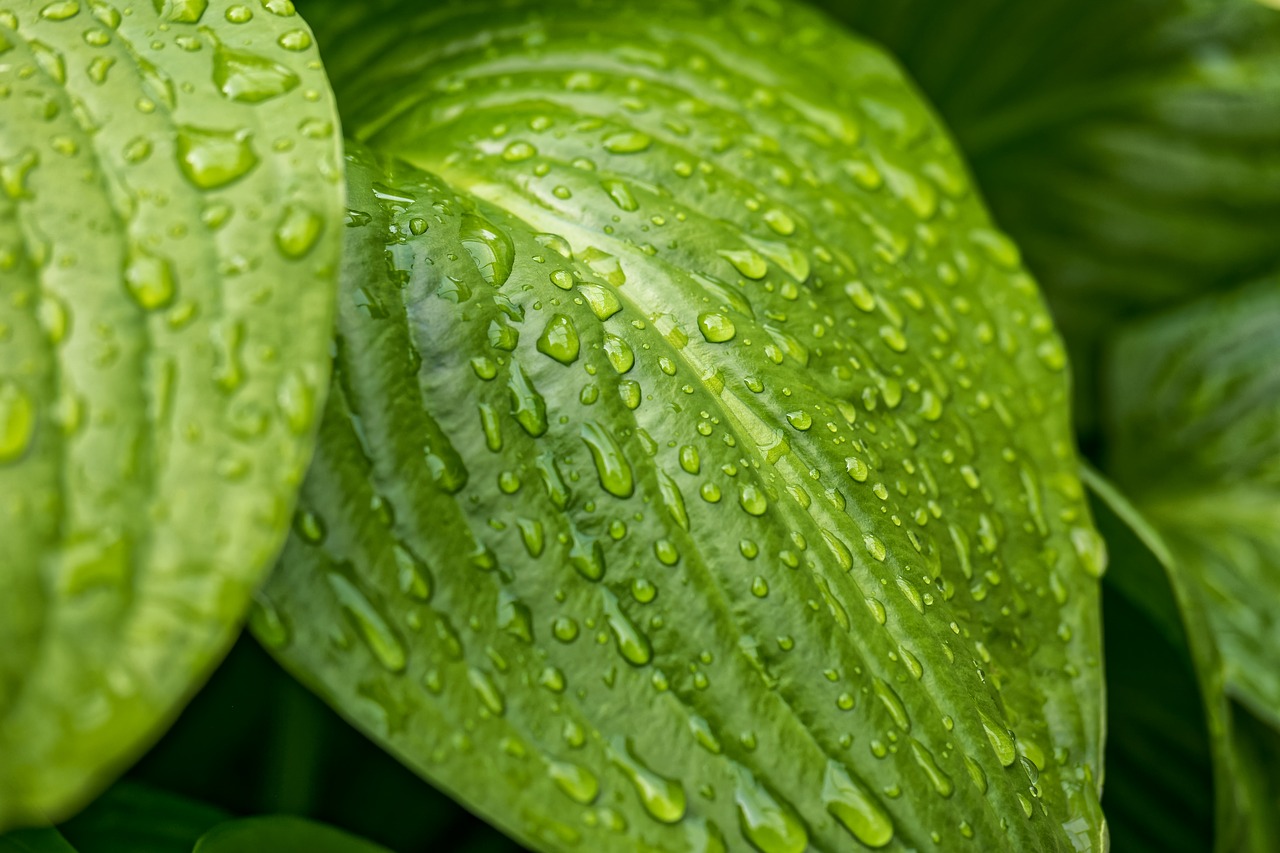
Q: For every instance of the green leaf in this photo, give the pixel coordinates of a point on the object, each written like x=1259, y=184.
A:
x=133, y=818
x=169, y=203
x=35, y=841
x=697, y=472
x=1194, y=420
x=1131, y=147
x=281, y=834
x=1164, y=660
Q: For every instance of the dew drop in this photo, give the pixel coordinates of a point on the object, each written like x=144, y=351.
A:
x=578, y=783
x=211, y=159
x=627, y=142
x=769, y=825
x=746, y=261
x=611, y=465
x=889, y=699
x=490, y=248
x=663, y=799
x=716, y=328
x=855, y=808
x=249, y=78
x=752, y=500
x=559, y=340
x=17, y=422
x=298, y=231
x=604, y=304
x=633, y=645
x=937, y=777
x=374, y=629
x=149, y=279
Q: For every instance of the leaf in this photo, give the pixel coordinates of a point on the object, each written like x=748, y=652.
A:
x=1131, y=147
x=697, y=470
x=169, y=193
x=133, y=818
x=35, y=841
x=281, y=834
x=1195, y=437
x=1163, y=659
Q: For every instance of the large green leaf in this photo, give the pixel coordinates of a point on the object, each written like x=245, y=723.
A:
x=133, y=818
x=697, y=471
x=35, y=841
x=1164, y=660
x=281, y=834
x=1194, y=416
x=1131, y=147
x=169, y=206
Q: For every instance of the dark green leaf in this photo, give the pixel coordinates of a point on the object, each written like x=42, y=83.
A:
x=698, y=472
x=1170, y=723
x=169, y=203
x=1131, y=147
x=281, y=834
x=132, y=818
x=1194, y=416
x=35, y=841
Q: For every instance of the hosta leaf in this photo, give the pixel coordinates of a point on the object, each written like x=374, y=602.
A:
x=1131, y=147
x=133, y=818
x=35, y=841
x=169, y=195
x=1160, y=748
x=697, y=472
x=281, y=834
x=1195, y=427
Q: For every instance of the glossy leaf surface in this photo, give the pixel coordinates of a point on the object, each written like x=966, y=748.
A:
x=697, y=471
x=169, y=212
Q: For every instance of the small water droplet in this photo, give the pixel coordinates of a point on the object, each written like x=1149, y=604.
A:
x=857, y=810
x=17, y=422
x=746, y=261
x=752, y=500
x=769, y=825
x=716, y=328
x=249, y=78
x=621, y=195
x=937, y=777
x=377, y=633
x=611, y=465
x=298, y=231
x=518, y=152
x=889, y=699
x=149, y=279
x=211, y=159
x=579, y=783
x=627, y=142
x=662, y=798
x=559, y=340
x=490, y=248
x=633, y=645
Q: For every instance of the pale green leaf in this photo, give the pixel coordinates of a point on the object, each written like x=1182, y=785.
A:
x=170, y=201
x=697, y=472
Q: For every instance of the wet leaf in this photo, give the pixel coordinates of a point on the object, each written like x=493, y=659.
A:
x=168, y=174
x=735, y=508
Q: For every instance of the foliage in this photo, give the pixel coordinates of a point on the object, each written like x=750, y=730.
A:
x=638, y=427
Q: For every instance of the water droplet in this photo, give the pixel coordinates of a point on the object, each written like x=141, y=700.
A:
x=627, y=142
x=889, y=699
x=760, y=587
x=689, y=459
x=621, y=195
x=998, y=247
x=604, y=304
x=752, y=500
x=780, y=222
x=611, y=465
x=579, y=783
x=149, y=279
x=893, y=338
x=940, y=780
x=490, y=248
x=298, y=231
x=249, y=78
x=856, y=809
x=1092, y=550
x=1000, y=740
x=17, y=422
x=800, y=420
x=857, y=469
x=663, y=799
x=746, y=261
x=633, y=645
x=518, y=152
x=61, y=10
x=412, y=573
x=295, y=40
x=673, y=499
x=211, y=159
x=586, y=555
x=559, y=340
x=716, y=328
x=874, y=547
x=487, y=691
x=374, y=629
x=527, y=405
x=766, y=823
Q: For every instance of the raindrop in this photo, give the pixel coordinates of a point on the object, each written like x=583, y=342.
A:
x=856, y=809
x=559, y=340
x=662, y=798
x=490, y=248
x=611, y=465
x=716, y=328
